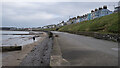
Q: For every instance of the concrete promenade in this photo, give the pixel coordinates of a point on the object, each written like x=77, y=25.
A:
x=79, y=50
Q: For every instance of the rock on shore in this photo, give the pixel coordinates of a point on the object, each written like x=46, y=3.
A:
x=40, y=55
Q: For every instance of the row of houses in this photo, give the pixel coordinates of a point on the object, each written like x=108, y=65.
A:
x=54, y=26
x=98, y=12
x=89, y=16
x=49, y=26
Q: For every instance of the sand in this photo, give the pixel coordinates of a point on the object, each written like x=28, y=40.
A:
x=14, y=58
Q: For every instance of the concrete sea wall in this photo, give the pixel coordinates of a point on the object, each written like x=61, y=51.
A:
x=40, y=55
x=56, y=55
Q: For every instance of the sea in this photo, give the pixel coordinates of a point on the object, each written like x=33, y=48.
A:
x=16, y=40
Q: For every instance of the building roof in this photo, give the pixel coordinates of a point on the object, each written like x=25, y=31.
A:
x=92, y=11
x=78, y=16
x=105, y=7
x=96, y=9
x=100, y=8
x=117, y=7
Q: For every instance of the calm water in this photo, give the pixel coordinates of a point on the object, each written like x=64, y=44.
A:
x=12, y=40
x=15, y=32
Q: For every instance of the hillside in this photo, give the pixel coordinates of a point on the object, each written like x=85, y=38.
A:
x=105, y=24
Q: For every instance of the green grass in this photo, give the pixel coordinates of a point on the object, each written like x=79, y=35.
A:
x=105, y=24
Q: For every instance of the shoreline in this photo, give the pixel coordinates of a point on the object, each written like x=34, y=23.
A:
x=17, y=56
x=14, y=39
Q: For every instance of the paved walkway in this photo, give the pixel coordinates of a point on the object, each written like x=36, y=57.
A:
x=87, y=51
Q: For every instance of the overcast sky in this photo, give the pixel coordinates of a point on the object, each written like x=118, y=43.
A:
x=37, y=14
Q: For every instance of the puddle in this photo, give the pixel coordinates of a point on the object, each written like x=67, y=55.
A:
x=115, y=49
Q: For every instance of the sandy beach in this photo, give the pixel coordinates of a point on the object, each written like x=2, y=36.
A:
x=14, y=58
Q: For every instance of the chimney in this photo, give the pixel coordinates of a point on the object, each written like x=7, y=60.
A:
x=62, y=22
x=78, y=16
x=92, y=11
x=100, y=8
x=104, y=7
x=96, y=9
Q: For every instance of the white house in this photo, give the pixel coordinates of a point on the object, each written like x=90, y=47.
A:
x=100, y=12
x=117, y=9
x=73, y=20
x=96, y=13
x=69, y=21
x=62, y=23
x=85, y=17
x=104, y=11
x=78, y=19
x=92, y=14
x=44, y=27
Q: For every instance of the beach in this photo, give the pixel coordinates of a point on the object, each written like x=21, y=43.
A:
x=18, y=38
x=17, y=56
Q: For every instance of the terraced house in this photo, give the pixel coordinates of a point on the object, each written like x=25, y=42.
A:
x=78, y=19
x=117, y=9
x=92, y=14
x=74, y=20
x=69, y=21
x=89, y=16
x=102, y=11
x=96, y=13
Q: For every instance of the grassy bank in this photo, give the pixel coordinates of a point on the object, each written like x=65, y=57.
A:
x=105, y=24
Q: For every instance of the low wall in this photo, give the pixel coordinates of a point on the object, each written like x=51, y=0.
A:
x=110, y=37
x=56, y=55
x=40, y=55
x=11, y=48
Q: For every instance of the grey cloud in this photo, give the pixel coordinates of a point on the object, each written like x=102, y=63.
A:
x=31, y=14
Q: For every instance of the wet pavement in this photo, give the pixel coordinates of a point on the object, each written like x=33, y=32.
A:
x=87, y=51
